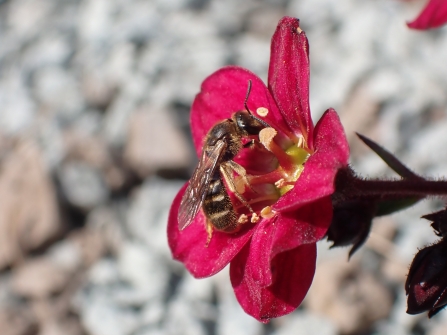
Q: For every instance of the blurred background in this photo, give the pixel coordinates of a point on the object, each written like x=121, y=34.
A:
x=95, y=143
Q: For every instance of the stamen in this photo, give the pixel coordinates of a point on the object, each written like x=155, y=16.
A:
x=242, y=219
x=269, y=197
x=266, y=136
x=268, y=178
x=280, y=183
x=254, y=218
x=267, y=212
x=262, y=111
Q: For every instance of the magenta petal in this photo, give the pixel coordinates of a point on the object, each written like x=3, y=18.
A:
x=293, y=274
x=432, y=16
x=189, y=245
x=288, y=78
x=222, y=94
x=290, y=230
x=317, y=180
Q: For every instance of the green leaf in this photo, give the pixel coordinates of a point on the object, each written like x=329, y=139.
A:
x=390, y=206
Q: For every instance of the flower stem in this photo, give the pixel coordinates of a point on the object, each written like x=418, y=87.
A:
x=403, y=187
x=351, y=187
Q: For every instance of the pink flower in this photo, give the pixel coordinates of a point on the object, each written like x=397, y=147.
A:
x=272, y=261
x=432, y=16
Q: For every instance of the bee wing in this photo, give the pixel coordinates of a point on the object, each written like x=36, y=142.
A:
x=198, y=185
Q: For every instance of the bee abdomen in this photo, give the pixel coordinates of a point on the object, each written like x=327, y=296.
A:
x=218, y=207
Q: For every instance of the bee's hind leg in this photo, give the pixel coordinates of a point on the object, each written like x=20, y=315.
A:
x=209, y=230
x=240, y=170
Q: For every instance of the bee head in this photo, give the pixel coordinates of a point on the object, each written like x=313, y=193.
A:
x=248, y=123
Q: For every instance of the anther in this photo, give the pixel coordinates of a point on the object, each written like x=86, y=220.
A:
x=267, y=212
x=266, y=136
x=242, y=219
x=280, y=183
x=254, y=218
x=262, y=111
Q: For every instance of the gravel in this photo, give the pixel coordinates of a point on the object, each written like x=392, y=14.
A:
x=101, y=89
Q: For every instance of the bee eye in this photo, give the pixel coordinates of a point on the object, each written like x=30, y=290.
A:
x=240, y=121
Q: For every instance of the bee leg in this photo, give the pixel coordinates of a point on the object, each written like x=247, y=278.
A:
x=250, y=144
x=240, y=170
x=226, y=170
x=209, y=230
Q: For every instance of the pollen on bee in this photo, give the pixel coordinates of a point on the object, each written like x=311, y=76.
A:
x=267, y=212
x=262, y=111
x=242, y=219
x=254, y=218
x=239, y=184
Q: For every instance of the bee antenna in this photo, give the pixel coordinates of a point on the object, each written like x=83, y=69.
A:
x=247, y=95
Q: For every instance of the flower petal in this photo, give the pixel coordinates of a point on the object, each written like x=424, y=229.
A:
x=317, y=180
x=222, y=94
x=307, y=225
x=257, y=160
x=288, y=77
x=189, y=245
x=293, y=274
x=432, y=16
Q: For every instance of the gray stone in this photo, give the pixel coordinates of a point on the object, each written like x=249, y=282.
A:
x=154, y=143
x=82, y=185
x=49, y=50
x=66, y=255
x=102, y=318
x=58, y=92
x=143, y=270
x=103, y=273
x=231, y=319
x=304, y=323
x=18, y=108
x=148, y=214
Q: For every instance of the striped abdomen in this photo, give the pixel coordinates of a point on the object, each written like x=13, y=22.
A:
x=218, y=207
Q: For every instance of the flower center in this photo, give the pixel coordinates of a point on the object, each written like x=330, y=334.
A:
x=263, y=190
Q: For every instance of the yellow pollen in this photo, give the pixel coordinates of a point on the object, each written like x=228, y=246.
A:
x=299, y=30
x=267, y=212
x=254, y=218
x=262, y=111
x=239, y=184
x=242, y=219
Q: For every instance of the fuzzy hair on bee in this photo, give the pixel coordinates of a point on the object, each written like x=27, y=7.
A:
x=206, y=188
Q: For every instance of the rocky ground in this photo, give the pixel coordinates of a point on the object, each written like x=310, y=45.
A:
x=94, y=144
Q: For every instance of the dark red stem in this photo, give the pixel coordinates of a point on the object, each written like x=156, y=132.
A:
x=350, y=187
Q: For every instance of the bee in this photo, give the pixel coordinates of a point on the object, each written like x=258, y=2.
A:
x=206, y=188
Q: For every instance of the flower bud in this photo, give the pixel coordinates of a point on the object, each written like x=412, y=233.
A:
x=439, y=222
x=351, y=223
x=426, y=284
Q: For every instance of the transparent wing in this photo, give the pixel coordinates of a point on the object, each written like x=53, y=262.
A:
x=198, y=185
